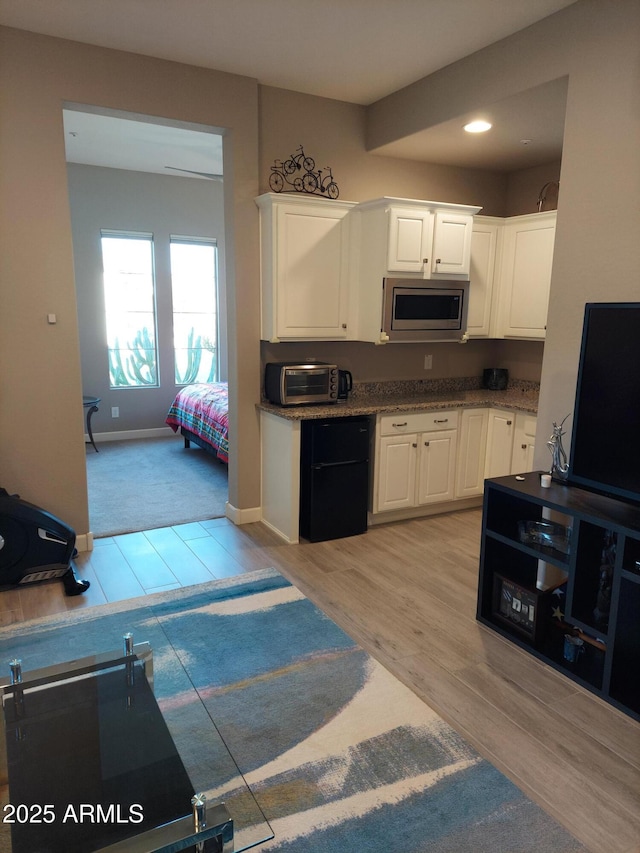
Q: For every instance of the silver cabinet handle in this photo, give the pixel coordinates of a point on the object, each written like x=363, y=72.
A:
x=438, y=260
x=425, y=260
x=441, y=421
x=414, y=444
x=509, y=423
x=426, y=444
x=399, y=425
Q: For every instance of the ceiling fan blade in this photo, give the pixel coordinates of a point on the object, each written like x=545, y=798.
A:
x=210, y=175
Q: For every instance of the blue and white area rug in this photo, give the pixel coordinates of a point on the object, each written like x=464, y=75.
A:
x=341, y=756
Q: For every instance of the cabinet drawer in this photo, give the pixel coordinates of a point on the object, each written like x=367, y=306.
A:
x=403, y=422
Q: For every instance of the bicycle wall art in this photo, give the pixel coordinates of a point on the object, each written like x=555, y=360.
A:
x=298, y=172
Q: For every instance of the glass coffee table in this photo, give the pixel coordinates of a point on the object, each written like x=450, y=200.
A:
x=98, y=755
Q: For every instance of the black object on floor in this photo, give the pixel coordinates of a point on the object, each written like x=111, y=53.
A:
x=334, y=478
x=35, y=546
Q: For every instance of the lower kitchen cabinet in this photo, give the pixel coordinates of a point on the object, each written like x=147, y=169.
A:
x=500, y=432
x=472, y=451
x=415, y=459
x=524, y=440
x=560, y=577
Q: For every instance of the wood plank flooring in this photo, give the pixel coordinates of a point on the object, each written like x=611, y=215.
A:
x=407, y=593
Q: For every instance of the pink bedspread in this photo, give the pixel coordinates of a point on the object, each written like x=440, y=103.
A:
x=203, y=409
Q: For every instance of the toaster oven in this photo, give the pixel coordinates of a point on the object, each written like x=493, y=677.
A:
x=294, y=384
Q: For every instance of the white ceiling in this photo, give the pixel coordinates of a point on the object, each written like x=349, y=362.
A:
x=352, y=50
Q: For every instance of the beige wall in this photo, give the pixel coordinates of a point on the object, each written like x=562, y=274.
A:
x=333, y=133
x=597, y=251
x=42, y=453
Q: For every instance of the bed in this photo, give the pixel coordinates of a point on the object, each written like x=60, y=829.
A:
x=201, y=413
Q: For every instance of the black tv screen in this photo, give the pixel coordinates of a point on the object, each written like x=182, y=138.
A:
x=605, y=440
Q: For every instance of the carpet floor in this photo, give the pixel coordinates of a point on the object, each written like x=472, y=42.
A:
x=340, y=755
x=142, y=484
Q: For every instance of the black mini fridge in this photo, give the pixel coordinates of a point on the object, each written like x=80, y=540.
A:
x=334, y=478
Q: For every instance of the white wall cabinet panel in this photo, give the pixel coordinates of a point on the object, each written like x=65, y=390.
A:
x=472, y=449
x=451, y=254
x=525, y=278
x=305, y=273
x=486, y=241
x=410, y=239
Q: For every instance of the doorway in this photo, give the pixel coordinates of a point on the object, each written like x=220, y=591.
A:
x=140, y=175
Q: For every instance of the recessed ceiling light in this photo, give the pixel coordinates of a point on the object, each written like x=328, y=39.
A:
x=477, y=126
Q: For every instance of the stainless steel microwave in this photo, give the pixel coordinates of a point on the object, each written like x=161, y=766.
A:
x=415, y=310
x=288, y=383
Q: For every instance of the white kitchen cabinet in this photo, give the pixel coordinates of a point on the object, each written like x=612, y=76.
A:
x=525, y=275
x=427, y=238
x=524, y=440
x=472, y=448
x=486, y=243
x=396, y=481
x=305, y=267
x=436, y=466
x=500, y=432
x=405, y=238
x=415, y=459
x=410, y=236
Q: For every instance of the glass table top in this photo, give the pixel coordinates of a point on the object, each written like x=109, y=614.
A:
x=107, y=751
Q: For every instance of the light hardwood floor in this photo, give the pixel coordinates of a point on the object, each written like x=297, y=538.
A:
x=407, y=593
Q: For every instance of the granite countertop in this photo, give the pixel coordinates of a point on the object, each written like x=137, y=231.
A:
x=415, y=396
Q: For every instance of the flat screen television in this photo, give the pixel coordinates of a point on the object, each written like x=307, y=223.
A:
x=605, y=439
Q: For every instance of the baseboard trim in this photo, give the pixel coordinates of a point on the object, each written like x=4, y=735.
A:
x=123, y=435
x=84, y=541
x=279, y=533
x=424, y=510
x=242, y=516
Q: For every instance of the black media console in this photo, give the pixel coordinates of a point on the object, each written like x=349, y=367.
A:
x=560, y=576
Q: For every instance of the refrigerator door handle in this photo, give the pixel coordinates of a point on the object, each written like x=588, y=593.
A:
x=319, y=465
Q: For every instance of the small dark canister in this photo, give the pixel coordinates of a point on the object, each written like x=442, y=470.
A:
x=495, y=378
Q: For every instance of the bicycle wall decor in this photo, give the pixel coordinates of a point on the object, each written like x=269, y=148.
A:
x=297, y=171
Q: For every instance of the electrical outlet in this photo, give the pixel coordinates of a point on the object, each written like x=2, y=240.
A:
x=428, y=362
x=115, y=411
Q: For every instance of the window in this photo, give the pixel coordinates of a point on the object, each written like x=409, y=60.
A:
x=195, y=322
x=127, y=261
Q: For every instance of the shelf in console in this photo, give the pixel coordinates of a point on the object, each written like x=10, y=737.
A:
x=540, y=552
x=632, y=577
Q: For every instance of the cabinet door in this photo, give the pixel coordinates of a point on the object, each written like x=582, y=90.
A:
x=485, y=242
x=451, y=253
x=410, y=240
x=500, y=432
x=471, y=453
x=312, y=273
x=396, y=472
x=526, y=275
x=436, y=466
x=524, y=441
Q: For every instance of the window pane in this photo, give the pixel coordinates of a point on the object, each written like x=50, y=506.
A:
x=130, y=310
x=194, y=291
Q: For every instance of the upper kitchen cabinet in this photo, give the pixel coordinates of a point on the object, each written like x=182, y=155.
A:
x=525, y=275
x=405, y=238
x=510, y=277
x=305, y=250
x=486, y=242
x=420, y=238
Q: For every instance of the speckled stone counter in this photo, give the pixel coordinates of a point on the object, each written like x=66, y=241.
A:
x=373, y=398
